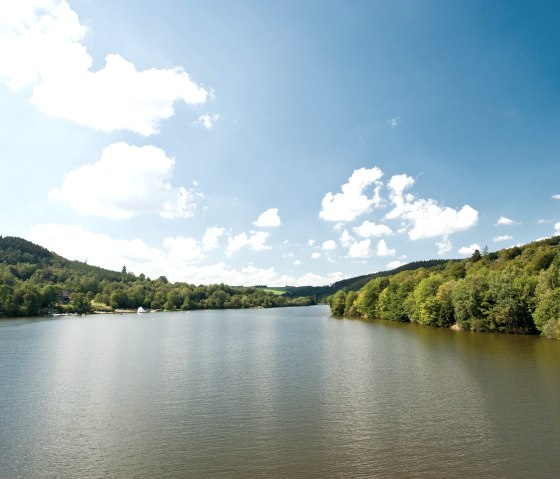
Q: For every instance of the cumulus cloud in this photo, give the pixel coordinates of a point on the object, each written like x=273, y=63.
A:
x=268, y=219
x=394, y=264
x=371, y=230
x=557, y=229
x=208, y=121
x=328, y=245
x=384, y=250
x=315, y=255
x=210, y=240
x=360, y=249
x=502, y=220
x=127, y=180
x=255, y=240
x=556, y=197
x=346, y=239
x=444, y=246
x=353, y=201
x=181, y=249
x=76, y=243
x=42, y=48
x=311, y=242
x=394, y=122
x=468, y=250
x=503, y=238
x=311, y=279
x=425, y=218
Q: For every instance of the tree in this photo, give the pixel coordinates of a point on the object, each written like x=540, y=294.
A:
x=118, y=299
x=338, y=303
x=547, y=314
x=509, y=305
x=349, y=306
x=366, y=302
x=427, y=305
x=50, y=296
x=80, y=303
x=476, y=256
x=28, y=298
x=469, y=301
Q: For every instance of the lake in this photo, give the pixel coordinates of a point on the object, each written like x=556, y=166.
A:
x=287, y=392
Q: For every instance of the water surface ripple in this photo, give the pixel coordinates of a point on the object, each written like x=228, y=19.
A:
x=273, y=393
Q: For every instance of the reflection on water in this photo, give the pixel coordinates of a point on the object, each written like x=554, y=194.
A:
x=273, y=393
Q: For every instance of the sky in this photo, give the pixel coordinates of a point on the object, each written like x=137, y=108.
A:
x=278, y=142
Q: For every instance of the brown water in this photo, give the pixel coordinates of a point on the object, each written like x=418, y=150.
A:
x=273, y=393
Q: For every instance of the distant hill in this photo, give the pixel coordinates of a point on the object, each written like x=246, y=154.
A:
x=319, y=293
x=14, y=251
x=35, y=281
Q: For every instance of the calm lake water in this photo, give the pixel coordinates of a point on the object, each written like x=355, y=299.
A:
x=273, y=393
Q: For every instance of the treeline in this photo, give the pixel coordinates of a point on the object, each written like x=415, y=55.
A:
x=320, y=293
x=35, y=281
x=515, y=290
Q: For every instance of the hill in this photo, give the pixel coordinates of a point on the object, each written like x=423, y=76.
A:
x=320, y=293
x=514, y=290
x=35, y=281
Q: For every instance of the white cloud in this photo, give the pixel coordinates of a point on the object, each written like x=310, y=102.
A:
x=208, y=121
x=426, y=218
x=297, y=262
x=311, y=242
x=502, y=220
x=210, y=238
x=328, y=245
x=346, y=239
x=542, y=221
x=468, y=250
x=503, y=238
x=181, y=249
x=444, y=246
x=384, y=250
x=557, y=229
x=311, y=279
x=315, y=255
x=42, y=47
x=360, y=249
x=556, y=197
x=127, y=180
x=352, y=202
x=256, y=241
x=188, y=250
x=371, y=230
x=393, y=122
x=74, y=242
x=394, y=264
x=268, y=219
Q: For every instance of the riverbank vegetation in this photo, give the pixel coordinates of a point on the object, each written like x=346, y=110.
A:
x=515, y=290
x=35, y=281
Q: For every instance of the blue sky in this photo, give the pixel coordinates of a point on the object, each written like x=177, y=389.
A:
x=278, y=142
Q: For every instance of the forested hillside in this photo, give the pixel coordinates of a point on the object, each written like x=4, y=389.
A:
x=515, y=290
x=320, y=293
x=35, y=281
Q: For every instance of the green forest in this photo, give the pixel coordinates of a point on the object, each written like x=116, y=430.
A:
x=35, y=281
x=514, y=290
